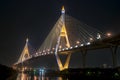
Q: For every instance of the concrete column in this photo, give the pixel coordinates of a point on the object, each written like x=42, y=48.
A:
x=84, y=52
x=114, y=55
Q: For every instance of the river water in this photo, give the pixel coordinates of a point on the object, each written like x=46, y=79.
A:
x=22, y=76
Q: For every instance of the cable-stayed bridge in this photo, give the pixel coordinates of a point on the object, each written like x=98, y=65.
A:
x=68, y=36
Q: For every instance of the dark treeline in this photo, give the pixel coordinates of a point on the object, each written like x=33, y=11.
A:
x=92, y=74
x=7, y=73
x=82, y=73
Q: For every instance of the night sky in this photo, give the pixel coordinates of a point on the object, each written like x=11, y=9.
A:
x=34, y=19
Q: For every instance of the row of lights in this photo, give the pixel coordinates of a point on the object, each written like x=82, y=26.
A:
x=43, y=53
x=51, y=52
x=48, y=51
x=76, y=46
x=53, y=49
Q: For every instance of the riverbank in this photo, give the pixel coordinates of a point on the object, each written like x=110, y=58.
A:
x=80, y=73
x=91, y=73
x=7, y=73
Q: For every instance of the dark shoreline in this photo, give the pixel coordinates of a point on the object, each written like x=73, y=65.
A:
x=92, y=73
x=83, y=73
x=7, y=73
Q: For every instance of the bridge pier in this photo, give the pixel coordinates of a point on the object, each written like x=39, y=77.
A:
x=84, y=53
x=114, y=55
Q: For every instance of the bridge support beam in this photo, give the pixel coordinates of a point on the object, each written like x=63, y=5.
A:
x=66, y=65
x=59, y=62
x=114, y=55
x=84, y=52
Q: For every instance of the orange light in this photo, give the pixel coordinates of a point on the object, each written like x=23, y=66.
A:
x=77, y=42
x=60, y=46
x=108, y=34
x=63, y=8
x=53, y=48
x=63, y=31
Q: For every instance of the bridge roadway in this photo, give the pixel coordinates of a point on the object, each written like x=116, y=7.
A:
x=112, y=42
x=99, y=44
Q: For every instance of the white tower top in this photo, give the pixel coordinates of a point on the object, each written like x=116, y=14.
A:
x=27, y=40
x=63, y=10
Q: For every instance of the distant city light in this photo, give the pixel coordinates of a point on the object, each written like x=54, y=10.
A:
x=98, y=36
x=76, y=46
x=36, y=53
x=53, y=48
x=91, y=39
x=48, y=49
x=77, y=42
x=59, y=49
x=88, y=43
x=43, y=50
x=82, y=45
x=71, y=47
x=108, y=34
x=60, y=46
x=66, y=48
x=51, y=52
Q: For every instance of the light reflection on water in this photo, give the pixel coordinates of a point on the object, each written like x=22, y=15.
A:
x=22, y=76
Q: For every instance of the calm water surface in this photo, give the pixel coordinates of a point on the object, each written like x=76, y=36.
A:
x=22, y=76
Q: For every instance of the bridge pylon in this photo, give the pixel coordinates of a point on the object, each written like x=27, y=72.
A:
x=63, y=34
x=25, y=53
